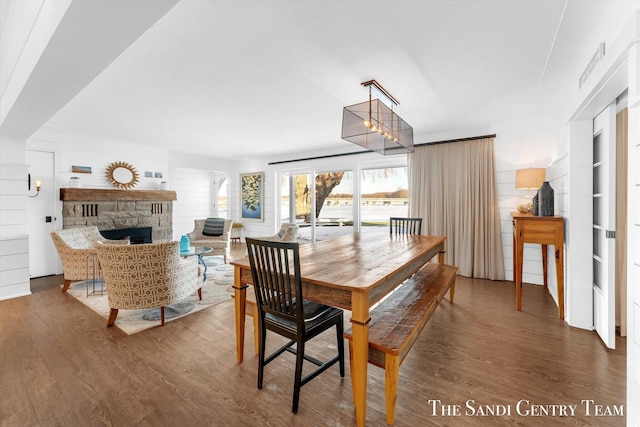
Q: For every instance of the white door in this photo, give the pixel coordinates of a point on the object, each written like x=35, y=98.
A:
x=604, y=217
x=42, y=214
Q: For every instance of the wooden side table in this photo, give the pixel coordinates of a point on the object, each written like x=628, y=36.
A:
x=236, y=234
x=545, y=230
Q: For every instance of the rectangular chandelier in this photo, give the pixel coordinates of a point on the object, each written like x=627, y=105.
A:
x=375, y=126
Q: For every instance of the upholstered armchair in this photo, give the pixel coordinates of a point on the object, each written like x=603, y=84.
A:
x=74, y=245
x=221, y=244
x=288, y=233
x=146, y=276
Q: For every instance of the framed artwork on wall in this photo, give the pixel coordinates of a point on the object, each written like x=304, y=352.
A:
x=81, y=169
x=252, y=196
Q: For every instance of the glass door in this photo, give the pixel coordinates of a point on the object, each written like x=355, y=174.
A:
x=296, y=201
x=384, y=193
x=321, y=206
x=334, y=204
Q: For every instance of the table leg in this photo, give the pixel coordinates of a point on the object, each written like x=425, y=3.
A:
x=240, y=294
x=545, y=266
x=559, y=253
x=360, y=357
x=93, y=279
x=518, y=257
x=513, y=246
x=204, y=264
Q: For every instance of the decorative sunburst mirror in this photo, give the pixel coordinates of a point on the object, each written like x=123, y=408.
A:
x=122, y=175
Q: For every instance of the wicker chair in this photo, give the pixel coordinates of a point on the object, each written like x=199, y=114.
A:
x=221, y=244
x=74, y=245
x=147, y=276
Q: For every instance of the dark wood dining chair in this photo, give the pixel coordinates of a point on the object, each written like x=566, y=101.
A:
x=275, y=267
x=405, y=225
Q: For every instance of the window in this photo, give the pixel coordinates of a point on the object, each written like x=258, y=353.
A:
x=384, y=193
x=330, y=205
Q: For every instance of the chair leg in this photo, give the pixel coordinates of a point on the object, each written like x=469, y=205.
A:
x=200, y=293
x=256, y=330
x=263, y=336
x=162, y=315
x=113, y=313
x=340, y=333
x=65, y=286
x=298, y=377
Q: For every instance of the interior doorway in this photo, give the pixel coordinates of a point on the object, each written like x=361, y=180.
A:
x=622, y=148
x=41, y=213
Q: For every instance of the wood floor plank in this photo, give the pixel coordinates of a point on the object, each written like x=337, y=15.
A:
x=60, y=365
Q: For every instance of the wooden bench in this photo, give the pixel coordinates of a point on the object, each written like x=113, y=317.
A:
x=391, y=335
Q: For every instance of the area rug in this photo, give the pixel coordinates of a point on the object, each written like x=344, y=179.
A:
x=216, y=289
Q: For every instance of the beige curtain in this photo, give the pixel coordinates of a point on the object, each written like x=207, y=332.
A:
x=453, y=188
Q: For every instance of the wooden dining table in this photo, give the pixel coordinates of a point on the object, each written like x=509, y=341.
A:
x=352, y=272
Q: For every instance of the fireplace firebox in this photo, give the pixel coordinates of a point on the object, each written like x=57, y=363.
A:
x=135, y=235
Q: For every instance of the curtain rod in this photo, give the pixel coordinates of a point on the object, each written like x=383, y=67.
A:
x=367, y=151
x=319, y=157
x=448, y=141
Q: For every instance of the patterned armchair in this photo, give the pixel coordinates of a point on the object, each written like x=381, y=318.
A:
x=288, y=233
x=147, y=276
x=74, y=245
x=221, y=244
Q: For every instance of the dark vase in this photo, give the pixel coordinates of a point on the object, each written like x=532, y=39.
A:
x=535, y=205
x=545, y=200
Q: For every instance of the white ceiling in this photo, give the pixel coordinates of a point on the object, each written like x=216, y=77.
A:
x=237, y=79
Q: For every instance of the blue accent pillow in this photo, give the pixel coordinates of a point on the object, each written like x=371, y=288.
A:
x=213, y=227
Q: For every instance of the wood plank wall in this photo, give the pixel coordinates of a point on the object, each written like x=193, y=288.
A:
x=14, y=235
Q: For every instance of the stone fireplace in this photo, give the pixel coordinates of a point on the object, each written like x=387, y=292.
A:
x=119, y=209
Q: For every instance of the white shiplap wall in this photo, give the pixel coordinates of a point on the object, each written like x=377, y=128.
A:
x=195, y=192
x=508, y=197
x=14, y=234
x=633, y=242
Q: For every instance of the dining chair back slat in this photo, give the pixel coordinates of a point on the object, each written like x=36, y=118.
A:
x=399, y=225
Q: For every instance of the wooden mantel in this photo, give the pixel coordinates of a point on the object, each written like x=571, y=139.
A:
x=103, y=195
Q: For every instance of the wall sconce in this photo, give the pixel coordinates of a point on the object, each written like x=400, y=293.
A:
x=38, y=186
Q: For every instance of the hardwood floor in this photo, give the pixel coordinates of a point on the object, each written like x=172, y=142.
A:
x=60, y=366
